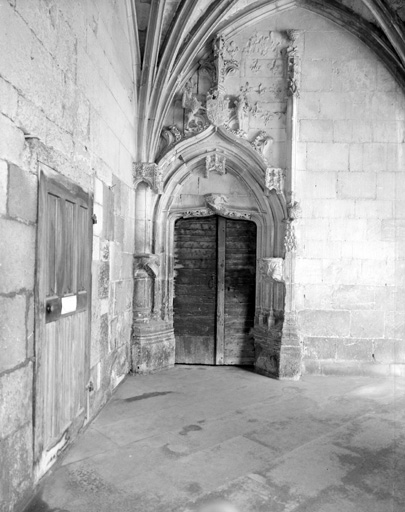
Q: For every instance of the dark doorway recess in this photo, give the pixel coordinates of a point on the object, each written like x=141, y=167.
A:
x=214, y=303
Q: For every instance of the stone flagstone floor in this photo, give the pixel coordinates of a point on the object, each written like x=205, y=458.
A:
x=181, y=439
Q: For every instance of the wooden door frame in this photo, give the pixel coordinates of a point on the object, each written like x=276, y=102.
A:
x=49, y=180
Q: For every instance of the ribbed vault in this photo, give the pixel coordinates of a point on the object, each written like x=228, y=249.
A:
x=168, y=58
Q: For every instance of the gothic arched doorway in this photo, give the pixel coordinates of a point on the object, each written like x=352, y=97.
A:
x=214, y=286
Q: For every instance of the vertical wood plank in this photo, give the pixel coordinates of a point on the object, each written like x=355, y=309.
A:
x=60, y=255
x=220, y=338
x=50, y=212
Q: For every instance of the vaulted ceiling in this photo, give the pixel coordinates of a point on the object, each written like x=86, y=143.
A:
x=171, y=34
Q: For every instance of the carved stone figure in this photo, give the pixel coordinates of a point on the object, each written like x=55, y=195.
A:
x=241, y=109
x=195, y=121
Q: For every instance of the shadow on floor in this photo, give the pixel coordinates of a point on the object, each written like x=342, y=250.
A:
x=39, y=505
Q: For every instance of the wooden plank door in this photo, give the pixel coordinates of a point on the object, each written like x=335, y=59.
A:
x=194, y=304
x=63, y=313
x=240, y=291
x=215, y=281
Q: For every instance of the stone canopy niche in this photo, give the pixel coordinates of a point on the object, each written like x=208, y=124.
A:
x=225, y=150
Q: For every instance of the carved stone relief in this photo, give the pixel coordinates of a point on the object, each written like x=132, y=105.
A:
x=290, y=239
x=216, y=204
x=150, y=173
x=260, y=141
x=273, y=268
x=217, y=108
x=195, y=119
x=274, y=179
x=215, y=162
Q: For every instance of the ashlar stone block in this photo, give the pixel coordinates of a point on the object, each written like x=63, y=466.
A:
x=367, y=324
x=12, y=331
x=17, y=247
x=15, y=400
x=22, y=184
x=324, y=323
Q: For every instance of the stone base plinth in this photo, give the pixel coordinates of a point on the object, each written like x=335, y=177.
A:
x=267, y=351
x=278, y=351
x=153, y=347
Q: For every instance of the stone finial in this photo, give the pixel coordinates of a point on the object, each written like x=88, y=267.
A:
x=150, y=173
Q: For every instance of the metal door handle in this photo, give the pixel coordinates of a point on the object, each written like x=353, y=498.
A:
x=49, y=308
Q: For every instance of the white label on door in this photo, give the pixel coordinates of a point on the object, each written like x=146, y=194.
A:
x=69, y=304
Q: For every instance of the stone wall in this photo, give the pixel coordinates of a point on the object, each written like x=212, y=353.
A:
x=66, y=80
x=350, y=165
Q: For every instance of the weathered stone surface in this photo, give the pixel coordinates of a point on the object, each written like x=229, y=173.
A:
x=323, y=348
x=16, y=467
x=22, y=194
x=17, y=247
x=367, y=324
x=12, y=331
x=324, y=323
x=15, y=400
x=353, y=297
x=11, y=142
x=103, y=279
x=3, y=186
x=354, y=350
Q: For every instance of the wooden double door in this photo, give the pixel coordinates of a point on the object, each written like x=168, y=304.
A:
x=214, y=303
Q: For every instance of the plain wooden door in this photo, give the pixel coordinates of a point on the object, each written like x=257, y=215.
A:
x=214, y=303
x=195, y=290
x=63, y=313
x=240, y=290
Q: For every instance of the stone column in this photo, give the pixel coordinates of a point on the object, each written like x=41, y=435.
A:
x=153, y=338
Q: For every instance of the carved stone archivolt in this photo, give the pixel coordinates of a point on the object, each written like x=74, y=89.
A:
x=149, y=173
x=272, y=268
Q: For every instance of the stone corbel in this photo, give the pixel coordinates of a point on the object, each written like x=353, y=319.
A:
x=150, y=173
x=273, y=268
x=148, y=262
